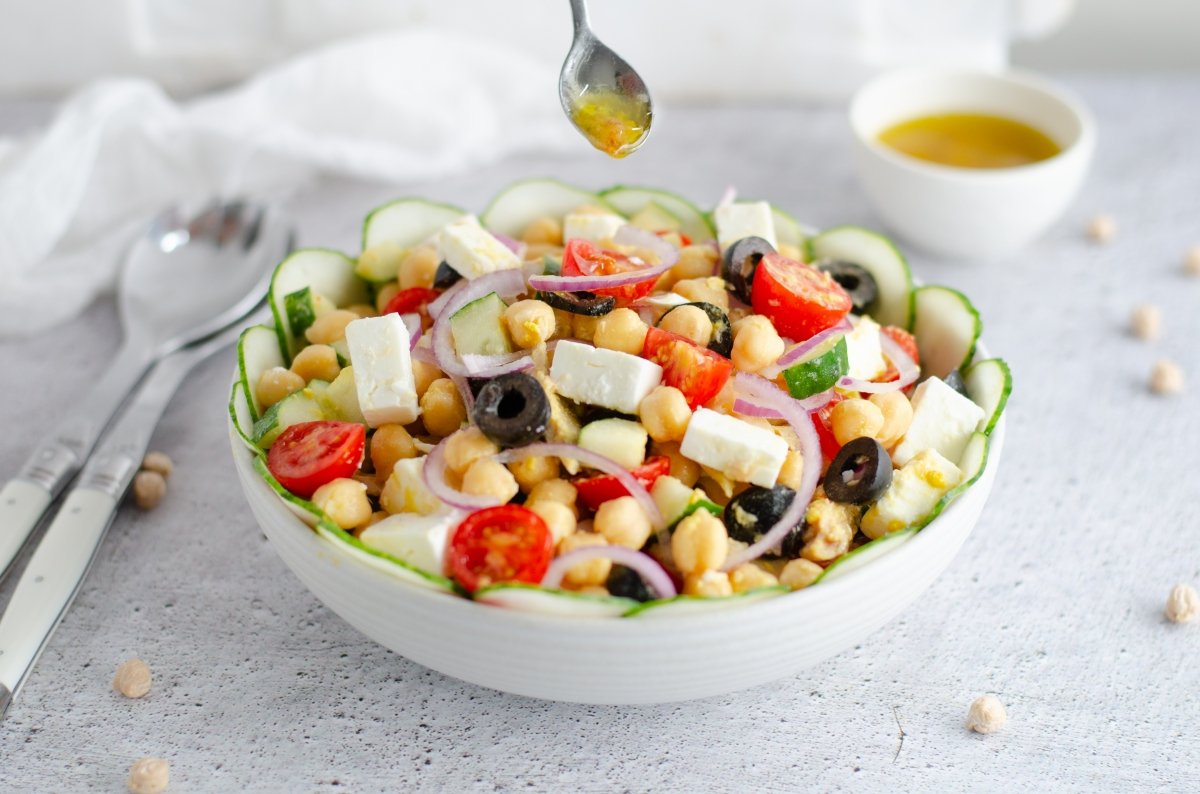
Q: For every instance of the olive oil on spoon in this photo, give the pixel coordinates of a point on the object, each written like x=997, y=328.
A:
x=601, y=94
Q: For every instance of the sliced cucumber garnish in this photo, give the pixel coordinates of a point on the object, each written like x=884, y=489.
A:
x=327, y=272
x=688, y=604
x=407, y=222
x=789, y=231
x=989, y=383
x=239, y=413
x=867, y=553
x=878, y=256
x=302, y=406
x=972, y=463
x=258, y=351
x=523, y=202
x=531, y=598
x=631, y=200
x=303, y=307
x=947, y=327
x=818, y=369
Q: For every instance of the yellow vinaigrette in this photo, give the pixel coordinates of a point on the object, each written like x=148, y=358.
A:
x=970, y=140
x=614, y=123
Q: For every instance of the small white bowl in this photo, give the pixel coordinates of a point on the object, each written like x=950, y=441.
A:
x=973, y=213
x=616, y=660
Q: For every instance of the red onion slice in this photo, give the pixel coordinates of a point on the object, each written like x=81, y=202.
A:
x=793, y=354
x=592, y=461
x=908, y=369
x=727, y=197
x=653, y=574
x=504, y=282
x=809, y=404
x=632, y=235
x=766, y=394
x=490, y=366
x=592, y=283
x=515, y=246
x=412, y=322
x=434, y=475
x=435, y=306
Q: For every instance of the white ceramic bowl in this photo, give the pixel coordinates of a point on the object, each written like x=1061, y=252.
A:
x=612, y=660
x=963, y=212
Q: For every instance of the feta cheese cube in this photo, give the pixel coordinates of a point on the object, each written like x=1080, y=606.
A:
x=915, y=490
x=472, y=250
x=864, y=351
x=607, y=378
x=383, y=376
x=591, y=226
x=744, y=219
x=416, y=539
x=740, y=450
x=943, y=420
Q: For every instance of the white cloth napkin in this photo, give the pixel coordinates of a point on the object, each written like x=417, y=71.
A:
x=395, y=107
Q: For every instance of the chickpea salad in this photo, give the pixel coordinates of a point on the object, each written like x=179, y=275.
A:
x=612, y=403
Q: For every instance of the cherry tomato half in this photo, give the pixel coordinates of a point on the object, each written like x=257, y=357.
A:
x=696, y=371
x=582, y=258
x=413, y=299
x=310, y=454
x=829, y=443
x=499, y=544
x=594, y=491
x=797, y=298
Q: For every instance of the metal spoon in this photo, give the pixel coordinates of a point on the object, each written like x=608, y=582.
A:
x=601, y=94
x=188, y=276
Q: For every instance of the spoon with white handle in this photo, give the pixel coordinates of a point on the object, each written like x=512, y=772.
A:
x=600, y=92
x=65, y=553
x=188, y=276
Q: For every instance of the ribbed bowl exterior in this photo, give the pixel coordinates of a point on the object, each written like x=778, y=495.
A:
x=616, y=661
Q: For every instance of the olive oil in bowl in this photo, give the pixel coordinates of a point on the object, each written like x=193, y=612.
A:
x=970, y=140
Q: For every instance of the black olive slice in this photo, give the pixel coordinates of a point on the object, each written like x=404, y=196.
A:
x=512, y=409
x=753, y=512
x=589, y=304
x=855, y=279
x=955, y=381
x=625, y=582
x=739, y=263
x=860, y=473
x=445, y=276
x=721, y=341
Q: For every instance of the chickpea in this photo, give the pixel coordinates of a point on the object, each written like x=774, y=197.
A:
x=132, y=678
x=756, y=344
x=621, y=329
x=689, y=322
x=418, y=268
x=792, y=470
x=683, y=469
x=699, y=543
x=384, y=295
x=897, y=414
x=330, y=327
x=544, y=230
x=362, y=309
x=623, y=522
x=584, y=327
x=556, y=490
x=536, y=252
x=589, y=572
x=798, y=574
x=486, y=477
x=466, y=446
x=531, y=471
x=986, y=715
x=695, y=261
x=748, y=576
x=855, y=418
x=149, y=776
x=390, y=443
x=159, y=462
x=563, y=324
x=423, y=375
x=275, y=384
x=530, y=322
x=344, y=501
x=317, y=362
x=149, y=488
x=665, y=414
x=710, y=290
x=709, y=584
x=442, y=408
x=559, y=518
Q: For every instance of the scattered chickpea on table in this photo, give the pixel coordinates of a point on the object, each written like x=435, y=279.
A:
x=986, y=715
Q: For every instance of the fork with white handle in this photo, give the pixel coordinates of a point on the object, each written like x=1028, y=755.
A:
x=65, y=553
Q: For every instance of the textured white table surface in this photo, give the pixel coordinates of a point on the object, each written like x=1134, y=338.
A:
x=1054, y=604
